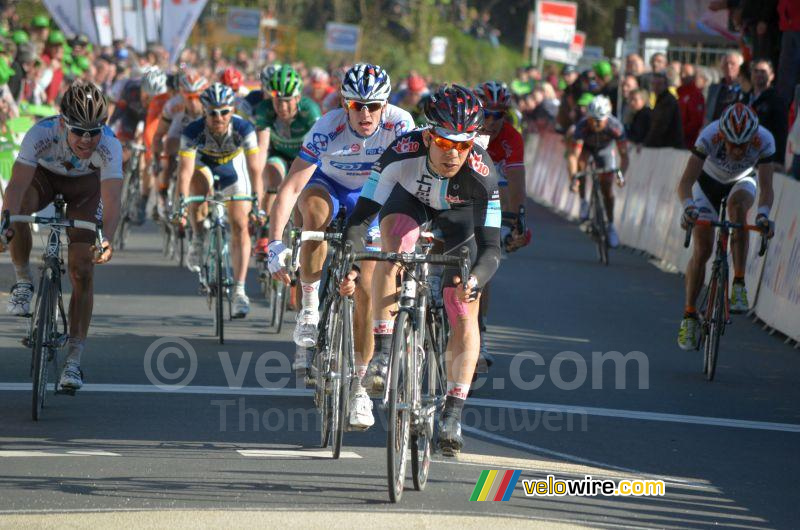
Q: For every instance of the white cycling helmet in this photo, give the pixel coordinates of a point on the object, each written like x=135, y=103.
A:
x=738, y=123
x=366, y=82
x=154, y=82
x=599, y=108
x=266, y=75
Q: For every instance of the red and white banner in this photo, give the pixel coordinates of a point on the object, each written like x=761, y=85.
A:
x=181, y=16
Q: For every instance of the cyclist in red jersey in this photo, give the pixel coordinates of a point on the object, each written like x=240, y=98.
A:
x=507, y=149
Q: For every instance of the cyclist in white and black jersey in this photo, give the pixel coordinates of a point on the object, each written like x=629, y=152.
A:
x=76, y=155
x=334, y=162
x=436, y=175
x=732, y=158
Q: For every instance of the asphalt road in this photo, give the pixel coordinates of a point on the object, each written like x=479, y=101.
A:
x=241, y=439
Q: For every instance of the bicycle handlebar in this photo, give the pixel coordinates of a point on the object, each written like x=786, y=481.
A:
x=727, y=225
x=410, y=258
x=309, y=235
x=53, y=221
x=216, y=200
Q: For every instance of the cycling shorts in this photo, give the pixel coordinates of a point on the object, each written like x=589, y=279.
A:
x=708, y=193
x=82, y=195
x=280, y=161
x=604, y=159
x=347, y=198
x=233, y=177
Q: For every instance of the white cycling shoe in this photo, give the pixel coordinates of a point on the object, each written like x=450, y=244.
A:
x=71, y=377
x=361, y=417
x=20, y=302
x=305, y=332
x=613, y=238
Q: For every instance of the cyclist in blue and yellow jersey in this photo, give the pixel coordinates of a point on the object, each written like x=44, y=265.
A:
x=221, y=145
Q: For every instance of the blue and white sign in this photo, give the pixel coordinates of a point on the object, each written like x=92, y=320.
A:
x=244, y=22
x=341, y=37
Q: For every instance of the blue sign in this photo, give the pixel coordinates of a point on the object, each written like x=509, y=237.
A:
x=244, y=22
x=341, y=37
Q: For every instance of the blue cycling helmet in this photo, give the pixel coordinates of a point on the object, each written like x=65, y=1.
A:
x=217, y=95
x=366, y=82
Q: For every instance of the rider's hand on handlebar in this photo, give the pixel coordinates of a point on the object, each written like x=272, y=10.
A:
x=104, y=255
x=767, y=226
x=468, y=293
x=690, y=215
x=277, y=255
x=348, y=285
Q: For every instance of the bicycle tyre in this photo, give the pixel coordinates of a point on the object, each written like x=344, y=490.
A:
x=601, y=234
x=322, y=382
x=399, y=424
x=43, y=330
x=219, y=288
x=716, y=327
x=344, y=370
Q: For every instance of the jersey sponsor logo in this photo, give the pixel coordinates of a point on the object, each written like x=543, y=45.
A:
x=337, y=132
x=507, y=147
x=424, y=185
x=352, y=166
x=476, y=163
x=405, y=145
x=375, y=151
x=311, y=149
x=355, y=148
x=320, y=142
x=454, y=199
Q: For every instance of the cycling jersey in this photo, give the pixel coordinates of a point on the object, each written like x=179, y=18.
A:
x=285, y=140
x=507, y=151
x=45, y=144
x=465, y=207
x=224, y=157
x=710, y=146
x=172, y=107
x=342, y=154
x=595, y=141
x=128, y=110
x=154, y=110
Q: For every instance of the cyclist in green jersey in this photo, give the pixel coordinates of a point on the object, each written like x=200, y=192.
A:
x=281, y=123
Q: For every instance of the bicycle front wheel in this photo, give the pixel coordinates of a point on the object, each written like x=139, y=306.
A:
x=220, y=292
x=44, y=318
x=342, y=354
x=397, y=438
x=601, y=234
x=716, y=325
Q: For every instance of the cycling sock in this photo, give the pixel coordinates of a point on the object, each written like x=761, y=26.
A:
x=238, y=288
x=690, y=311
x=75, y=349
x=23, y=272
x=739, y=280
x=382, y=331
x=310, y=295
x=361, y=371
x=457, y=390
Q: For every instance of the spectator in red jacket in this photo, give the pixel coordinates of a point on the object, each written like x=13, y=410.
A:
x=789, y=62
x=692, y=105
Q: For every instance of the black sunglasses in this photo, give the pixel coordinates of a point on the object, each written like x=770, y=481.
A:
x=219, y=112
x=85, y=133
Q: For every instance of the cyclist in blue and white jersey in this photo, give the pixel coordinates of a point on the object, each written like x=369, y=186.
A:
x=334, y=163
x=224, y=145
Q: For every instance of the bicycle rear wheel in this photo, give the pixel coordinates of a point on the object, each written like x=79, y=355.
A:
x=44, y=316
x=342, y=355
x=716, y=325
x=397, y=438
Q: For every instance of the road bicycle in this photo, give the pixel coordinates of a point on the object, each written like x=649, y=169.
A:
x=715, y=310
x=47, y=329
x=129, y=199
x=215, y=275
x=596, y=225
x=416, y=378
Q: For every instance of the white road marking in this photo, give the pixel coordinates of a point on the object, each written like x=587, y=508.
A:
x=28, y=454
x=475, y=402
x=293, y=453
x=576, y=459
x=636, y=415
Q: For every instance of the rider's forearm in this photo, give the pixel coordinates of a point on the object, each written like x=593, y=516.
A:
x=516, y=188
x=358, y=223
x=111, y=192
x=488, y=259
x=255, y=173
x=572, y=164
x=280, y=212
x=21, y=177
x=693, y=168
x=185, y=170
x=766, y=194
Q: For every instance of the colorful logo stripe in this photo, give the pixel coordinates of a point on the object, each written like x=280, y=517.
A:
x=495, y=485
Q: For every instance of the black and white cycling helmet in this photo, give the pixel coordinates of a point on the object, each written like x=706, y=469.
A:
x=154, y=81
x=738, y=123
x=84, y=106
x=217, y=95
x=455, y=112
x=266, y=75
x=599, y=108
x=366, y=82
